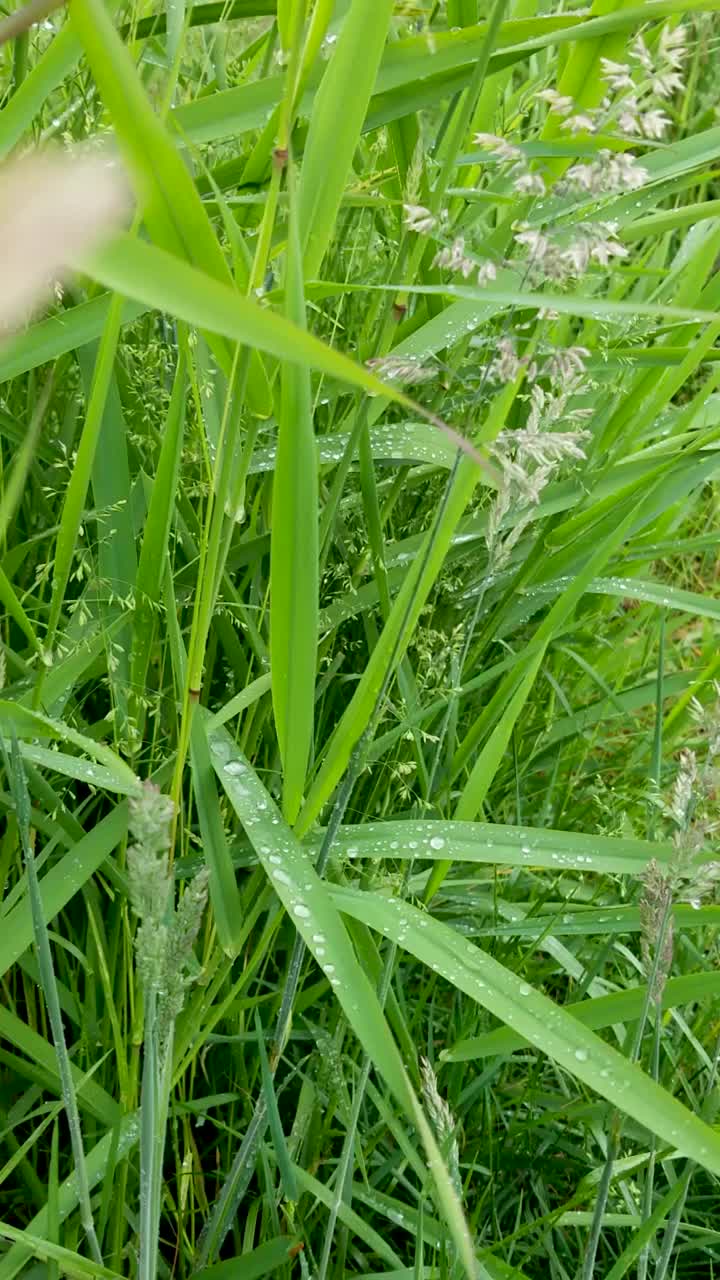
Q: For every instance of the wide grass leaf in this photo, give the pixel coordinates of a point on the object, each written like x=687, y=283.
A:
x=309, y=905
x=157, y=279
x=603, y=1011
x=495, y=843
x=294, y=545
x=546, y=1026
x=336, y=122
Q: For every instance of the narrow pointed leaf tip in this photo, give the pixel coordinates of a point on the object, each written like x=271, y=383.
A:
x=52, y=204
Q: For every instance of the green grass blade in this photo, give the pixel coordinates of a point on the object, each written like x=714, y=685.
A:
x=98, y=1167
x=603, y=1011
x=253, y=1265
x=153, y=549
x=171, y=205
x=16, y=773
x=546, y=1025
x=335, y=124
x=67, y=1261
x=294, y=550
x=152, y=276
x=18, y=720
x=47, y=339
x=501, y=845
x=309, y=906
x=60, y=884
x=72, y=512
x=391, y=646
x=224, y=893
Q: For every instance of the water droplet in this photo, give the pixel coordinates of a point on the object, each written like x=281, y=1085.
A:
x=437, y=842
x=581, y=1055
x=302, y=911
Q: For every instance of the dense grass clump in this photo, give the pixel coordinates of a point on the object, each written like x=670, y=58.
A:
x=359, y=721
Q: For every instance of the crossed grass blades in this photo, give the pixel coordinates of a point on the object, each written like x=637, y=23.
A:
x=358, y=715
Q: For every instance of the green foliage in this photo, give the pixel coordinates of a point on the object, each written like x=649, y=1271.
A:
x=358, y=573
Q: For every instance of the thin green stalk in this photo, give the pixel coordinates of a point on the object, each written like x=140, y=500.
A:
x=154, y=1110
x=16, y=775
x=240, y=1173
x=649, y=1183
x=213, y=550
x=76, y=494
x=710, y=1110
x=616, y=1119
x=464, y=115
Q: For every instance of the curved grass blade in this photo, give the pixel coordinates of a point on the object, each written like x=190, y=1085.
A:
x=19, y=720
x=603, y=1011
x=256, y=1263
x=547, y=1026
x=150, y=275
x=308, y=903
x=172, y=207
x=60, y=884
x=500, y=845
x=45, y=340
x=67, y=1261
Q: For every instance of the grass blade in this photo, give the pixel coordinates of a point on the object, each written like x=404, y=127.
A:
x=294, y=580
x=16, y=774
x=307, y=901
x=336, y=123
x=543, y=1023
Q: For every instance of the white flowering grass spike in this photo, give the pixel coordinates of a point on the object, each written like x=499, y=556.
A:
x=53, y=204
x=557, y=102
x=418, y=219
x=499, y=147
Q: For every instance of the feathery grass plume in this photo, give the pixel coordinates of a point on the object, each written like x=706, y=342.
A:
x=611, y=174
x=454, y=258
x=636, y=92
x=182, y=968
x=530, y=456
x=149, y=881
x=414, y=176
x=656, y=927
x=52, y=205
x=401, y=369
x=525, y=181
x=165, y=937
x=690, y=809
x=165, y=965
x=557, y=257
x=443, y=1122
